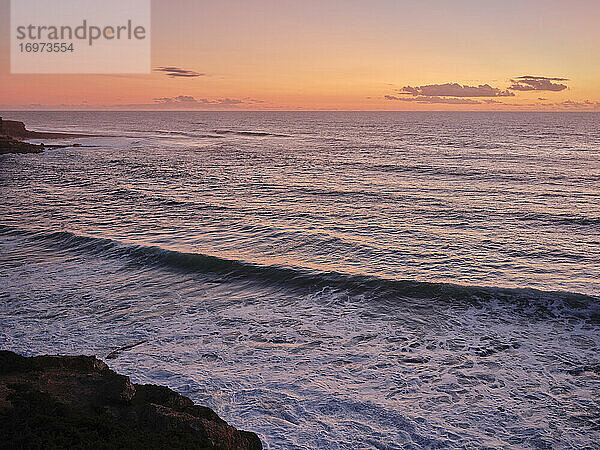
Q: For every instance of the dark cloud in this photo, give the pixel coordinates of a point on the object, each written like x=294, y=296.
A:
x=178, y=72
x=542, y=99
x=455, y=90
x=531, y=83
x=522, y=105
x=434, y=99
x=531, y=77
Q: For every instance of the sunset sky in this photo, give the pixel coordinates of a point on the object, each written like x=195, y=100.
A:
x=346, y=55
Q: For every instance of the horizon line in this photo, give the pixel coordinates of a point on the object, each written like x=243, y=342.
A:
x=310, y=110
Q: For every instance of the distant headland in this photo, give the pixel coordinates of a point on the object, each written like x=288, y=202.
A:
x=12, y=134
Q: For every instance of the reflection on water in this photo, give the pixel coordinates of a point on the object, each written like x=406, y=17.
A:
x=290, y=270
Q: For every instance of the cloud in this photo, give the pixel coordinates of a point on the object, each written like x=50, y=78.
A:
x=455, y=90
x=434, y=99
x=542, y=98
x=178, y=72
x=570, y=104
x=189, y=101
x=179, y=100
x=531, y=83
x=531, y=77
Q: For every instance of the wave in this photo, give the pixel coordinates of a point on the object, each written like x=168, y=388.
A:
x=466, y=172
x=251, y=133
x=186, y=134
x=561, y=219
x=296, y=278
x=175, y=133
x=216, y=134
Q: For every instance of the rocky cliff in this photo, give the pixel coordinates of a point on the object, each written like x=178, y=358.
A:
x=17, y=130
x=78, y=402
x=12, y=132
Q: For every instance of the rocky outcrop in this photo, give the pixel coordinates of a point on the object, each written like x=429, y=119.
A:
x=78, y=402
x=10, y=145
x=12, y=132
x=17, y=130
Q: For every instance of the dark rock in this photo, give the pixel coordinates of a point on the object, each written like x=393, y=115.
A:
x=12, y=132
x=9, y=145
x=17, y=130
x=78, y=402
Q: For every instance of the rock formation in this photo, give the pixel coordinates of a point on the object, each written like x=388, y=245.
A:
x=17, y=130
x=78, y=402
x=12, y=132
x=10, y=145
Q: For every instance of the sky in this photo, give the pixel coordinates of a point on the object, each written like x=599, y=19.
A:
x=342, y=55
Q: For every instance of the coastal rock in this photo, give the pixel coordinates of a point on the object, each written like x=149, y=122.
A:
x=78, y=402
x=12, y=133
x=17, y=130
x=9, y=145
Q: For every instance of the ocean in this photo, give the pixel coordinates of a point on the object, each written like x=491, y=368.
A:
x=330, y=280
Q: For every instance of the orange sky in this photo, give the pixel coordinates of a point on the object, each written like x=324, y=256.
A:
x=349, y=55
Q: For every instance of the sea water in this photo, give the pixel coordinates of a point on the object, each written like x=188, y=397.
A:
x=327, y=279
